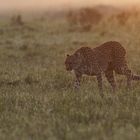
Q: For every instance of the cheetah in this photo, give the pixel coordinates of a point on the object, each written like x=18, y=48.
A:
x=106, y=58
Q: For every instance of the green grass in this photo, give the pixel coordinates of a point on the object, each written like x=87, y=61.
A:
x=37, y=99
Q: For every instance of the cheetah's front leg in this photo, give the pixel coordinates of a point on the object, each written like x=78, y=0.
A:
x=78, y=79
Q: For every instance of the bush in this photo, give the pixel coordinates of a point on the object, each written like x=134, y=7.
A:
x=17, y=20
x=84, y=18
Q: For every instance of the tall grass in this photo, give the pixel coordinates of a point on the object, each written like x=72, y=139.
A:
x=37, y=99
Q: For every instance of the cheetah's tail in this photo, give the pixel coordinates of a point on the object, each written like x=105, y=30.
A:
x=135, y=77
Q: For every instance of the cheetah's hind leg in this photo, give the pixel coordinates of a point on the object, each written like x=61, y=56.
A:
x=131, y=77
x=125, y=71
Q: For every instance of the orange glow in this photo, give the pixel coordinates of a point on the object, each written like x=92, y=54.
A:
x=28, y=4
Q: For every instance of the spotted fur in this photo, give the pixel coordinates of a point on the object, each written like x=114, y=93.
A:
x=106, y=58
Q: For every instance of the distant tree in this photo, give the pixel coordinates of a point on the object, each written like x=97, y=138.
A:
x=17, y=20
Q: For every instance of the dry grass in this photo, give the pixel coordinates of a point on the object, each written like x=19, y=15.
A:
x=37, y=100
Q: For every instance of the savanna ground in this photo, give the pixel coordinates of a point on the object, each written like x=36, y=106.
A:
x=37, y=100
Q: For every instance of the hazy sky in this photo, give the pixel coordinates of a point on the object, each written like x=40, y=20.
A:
x=28, y=4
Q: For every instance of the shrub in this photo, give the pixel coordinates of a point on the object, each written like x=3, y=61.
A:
x=17, y=20
x=84, y=18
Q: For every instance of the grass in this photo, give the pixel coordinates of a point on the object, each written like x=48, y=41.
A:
x=37, y=100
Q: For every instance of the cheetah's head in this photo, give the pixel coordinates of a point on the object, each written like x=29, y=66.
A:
x=72, y=62
x=69, y=62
